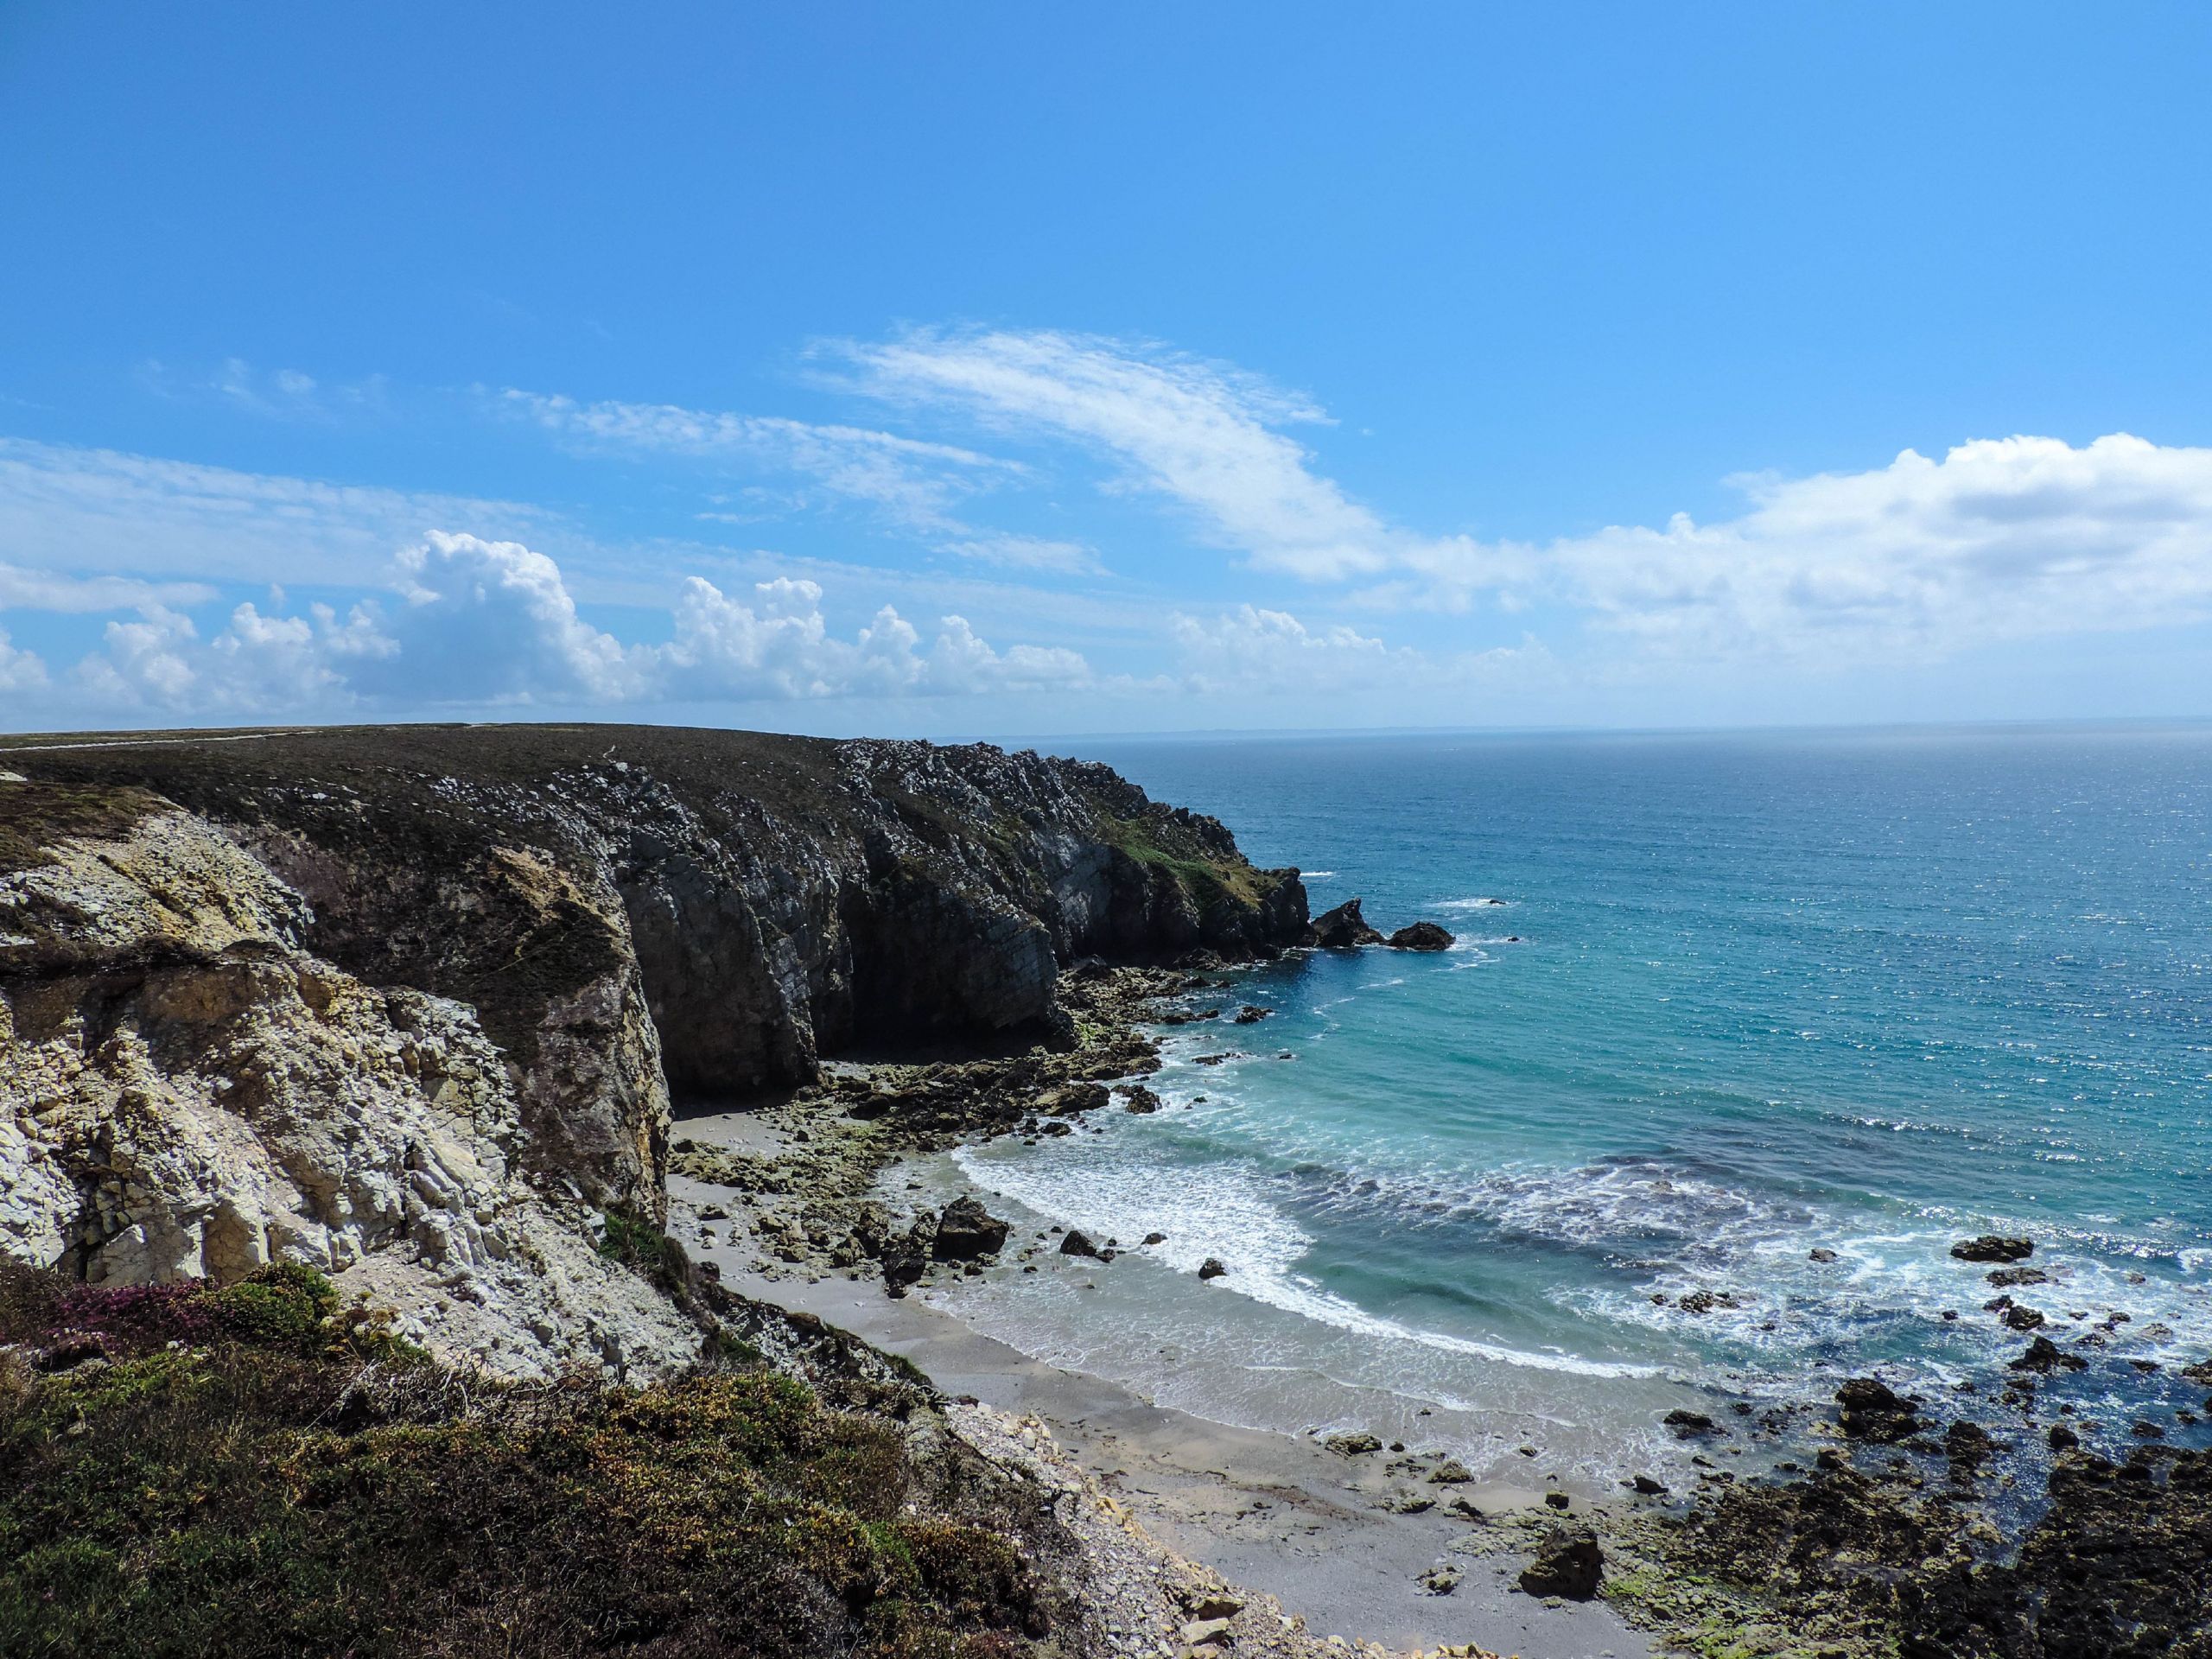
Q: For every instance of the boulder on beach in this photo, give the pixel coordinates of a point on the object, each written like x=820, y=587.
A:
x=1994, y=1247
x=1569, y=1564
x=965, y=1230
x=1353, y=1445
x=1342, y=929
x=1212, y=1268
x=1078, y=1243
x=1420, y=936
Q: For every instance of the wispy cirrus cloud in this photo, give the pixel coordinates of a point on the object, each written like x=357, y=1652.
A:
x=2003, y=539
x=1200, y=435
x=24, y=590
x=914, y=482
x=98, y=511
x=272, y=394
x=1036, y=553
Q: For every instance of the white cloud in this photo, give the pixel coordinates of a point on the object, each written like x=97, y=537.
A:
x=482, y=623
x=256, y=663
x=21, y=670
x=2016, y=539
x=1200, y=434
x=2013, y=538
x=494, y=622
x=917, y=483
x=779, y=646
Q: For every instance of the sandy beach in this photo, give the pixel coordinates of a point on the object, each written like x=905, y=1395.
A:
x=1342, y=1542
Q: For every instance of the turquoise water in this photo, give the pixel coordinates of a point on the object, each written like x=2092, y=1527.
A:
x=1862, y=992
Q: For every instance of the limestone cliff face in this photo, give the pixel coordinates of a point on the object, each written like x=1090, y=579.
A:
x=408, y=1004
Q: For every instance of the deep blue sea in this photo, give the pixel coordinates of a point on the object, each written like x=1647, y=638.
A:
x=1717, y=1002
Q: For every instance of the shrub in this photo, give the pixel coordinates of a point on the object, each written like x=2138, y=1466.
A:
x=269, y=1492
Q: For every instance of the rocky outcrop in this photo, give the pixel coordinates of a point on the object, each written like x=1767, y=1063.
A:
x=1420, y=936
x=1342, y=929
x=1994, y=1247
x=185, y=1092
x=1868, y=1409
x=409, y=1005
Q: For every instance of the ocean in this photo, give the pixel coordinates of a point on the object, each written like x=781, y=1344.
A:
x=1717, y=1002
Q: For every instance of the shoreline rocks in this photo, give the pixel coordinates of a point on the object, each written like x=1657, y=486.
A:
x=1343, y=928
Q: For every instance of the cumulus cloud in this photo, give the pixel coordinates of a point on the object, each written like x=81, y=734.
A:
x=255, y=662
x=488, y=623
x=779, y=646
x=916, y=483
x=1203, y=435
x=491, y=622
x=20, y=670
x=2011, y=539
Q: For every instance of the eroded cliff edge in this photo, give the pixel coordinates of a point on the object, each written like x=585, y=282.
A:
x=408, y=1004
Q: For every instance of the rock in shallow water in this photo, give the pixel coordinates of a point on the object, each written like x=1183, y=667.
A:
x=967, y=1231
x=1342, y=929
x=1420, y=936
x=1870, y=1410
x=1994, y=1247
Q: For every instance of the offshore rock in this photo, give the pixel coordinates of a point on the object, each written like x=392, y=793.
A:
x=1342, y=929
x=1994, y=1247
x=1420, y=936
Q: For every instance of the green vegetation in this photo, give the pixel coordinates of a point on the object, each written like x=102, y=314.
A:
x=1208, y=883
x=257, y=1471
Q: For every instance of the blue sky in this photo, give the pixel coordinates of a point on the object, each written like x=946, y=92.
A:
x=1018, y=369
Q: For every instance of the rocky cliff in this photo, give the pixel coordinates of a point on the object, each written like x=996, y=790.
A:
x=408, y=1004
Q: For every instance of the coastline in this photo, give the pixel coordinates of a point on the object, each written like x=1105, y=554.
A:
x=1271, y=1512
x=768, y=1196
